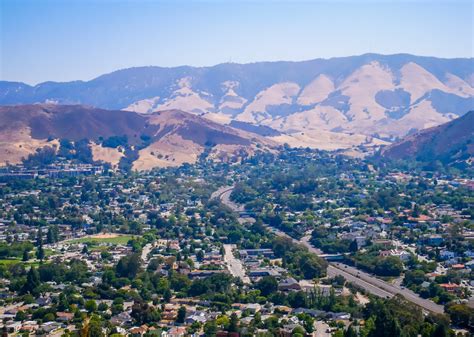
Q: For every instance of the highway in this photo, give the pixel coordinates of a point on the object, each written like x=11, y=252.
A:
x=362, y=279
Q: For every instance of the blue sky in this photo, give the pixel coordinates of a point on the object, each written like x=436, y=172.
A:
x=63, y=40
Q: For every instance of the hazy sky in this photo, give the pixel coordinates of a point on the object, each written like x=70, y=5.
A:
x=63, y=40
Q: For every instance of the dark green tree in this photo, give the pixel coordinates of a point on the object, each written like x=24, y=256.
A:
x=350, y=332
x=385, y=324
x=210, y=328
x=40, y=252
x=32, y=282
x=181, y=315
x=26, y=255
x=267, y=285
x=234, y=323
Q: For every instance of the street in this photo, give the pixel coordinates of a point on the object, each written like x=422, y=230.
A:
x=321, y=329
x=234, y=265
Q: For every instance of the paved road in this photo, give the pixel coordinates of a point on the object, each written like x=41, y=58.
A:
x=235, y=265
x=223, y=194
x=145, y=251
x=389, y=288
x=366, y=281
x=217, y=194
x=321, y=328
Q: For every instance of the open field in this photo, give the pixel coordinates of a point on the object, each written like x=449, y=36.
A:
x=7, y=262
x=115, y=239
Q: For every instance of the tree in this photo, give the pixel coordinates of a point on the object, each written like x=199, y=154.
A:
x=181, y=315
x=440, y=331
x=267, y=285
x=143, y=313
x=32, y=282
x=167, y=295
x=26, y=255
x=40, y=252
x=385, y=324
x=128, y=266
x=234, y=323
x=312, y=266
x=50, y=236
x=39, y=237
x=350, y=332
x=308, y=323
x=353, y=247
x=210, y=328
x=102, y=307
x=298, y=331
x=461, y=314
x=389, y=266
x=63, y=303
x=94, y=327
x=21, y=316
x=90, y=306
x=200, y=255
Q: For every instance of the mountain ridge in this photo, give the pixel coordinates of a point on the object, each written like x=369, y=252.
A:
x=383, y=97
x=161, y=139
x=448, y=143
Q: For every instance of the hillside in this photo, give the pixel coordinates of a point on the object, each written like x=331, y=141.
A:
x=448, y=143
x=160, y=139
x=343, y=100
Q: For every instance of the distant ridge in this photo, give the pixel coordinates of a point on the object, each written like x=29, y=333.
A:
x=340, y=102
x=447, y=143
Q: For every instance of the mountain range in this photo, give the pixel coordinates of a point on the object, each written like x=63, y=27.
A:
x=323, y=103
x=159, y=139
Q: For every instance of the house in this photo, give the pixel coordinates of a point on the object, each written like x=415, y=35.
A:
x=252, y=307
x=288, y=284
x=434, y=240
x=227, y=334
x=469, y=253
x=450, y=287
x=64, y=316
x=50, y=327
x=252, y=253
x=176, y=331
x=401, y=254
x=198, y=316
x=29, y=326
x=340, y=315
x=13, y=327
x=205, y=273
x=123, y=318
x=263, y=272
x=138, y=330
x=470, y=265
x=447, y=255
x=458, y=266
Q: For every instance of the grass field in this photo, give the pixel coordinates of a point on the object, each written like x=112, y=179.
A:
x=9, y=261
x=118, y=240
